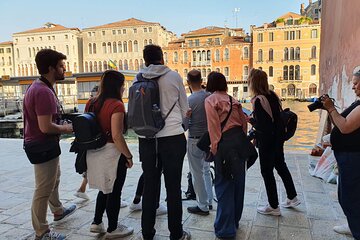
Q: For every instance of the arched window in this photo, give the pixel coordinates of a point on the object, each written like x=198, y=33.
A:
x=104, y=47
x=86, y=67
x=119, y=47
x=313, y=70
x=286, y=53
x=136, y=46
x=95, y=67
x=125, y=46
x=90, y=48
x=313, y=52
x=297, y=72
x=34, y=51
x=291, y=90
x=150, y=41
x=105, y=65
x=185, y=56
x=75, y=67
x=100, y=66
x=10, y=62
x=312, y=89
x=271, y=71
x=109, y=47
x=208, y=55
x=291, y=72
x=292, y=54
x=31, y=70
x=297, y=53
x=271, y=54
x=203, y=73
x=226, y=54
x=226, y=72
x=246, y=53
x=120, y=65
x=90, y=66
x=136, y=64
x=126, y=66
x=176, y=57
x=246, y=71
x=114, y=47
x=260, y=55
x=203, y=55
x=286, y=72
x=165, y=57
x=198, y=53
x=208, y=72
x=94, y=48
x=194, y=56
x=141, y=64
x=26, y=70
x=145, y=42
x=217, y=55
x=130, y=46
x=131, y=65
x=185, y=73
x=29, y=53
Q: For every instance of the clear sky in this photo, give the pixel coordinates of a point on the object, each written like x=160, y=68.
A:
x=177, y=16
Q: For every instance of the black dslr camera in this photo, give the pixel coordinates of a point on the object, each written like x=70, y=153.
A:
x=317, y=104
x=251, y=134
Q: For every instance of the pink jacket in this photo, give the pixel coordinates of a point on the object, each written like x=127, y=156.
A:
x=217, y=106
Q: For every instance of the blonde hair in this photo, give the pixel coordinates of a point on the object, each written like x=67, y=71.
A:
x=258, y=82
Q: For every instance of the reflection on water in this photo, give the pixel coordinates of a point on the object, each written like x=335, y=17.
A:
x=307, y=128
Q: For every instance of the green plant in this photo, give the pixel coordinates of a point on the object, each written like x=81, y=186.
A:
x=305, y=20
x=280, y=20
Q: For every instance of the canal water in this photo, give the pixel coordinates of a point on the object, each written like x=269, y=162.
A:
x=307, y=129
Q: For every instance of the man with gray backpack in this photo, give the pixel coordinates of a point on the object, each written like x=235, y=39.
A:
x=157, y=106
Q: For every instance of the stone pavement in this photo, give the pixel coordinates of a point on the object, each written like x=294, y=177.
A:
x=312, y=220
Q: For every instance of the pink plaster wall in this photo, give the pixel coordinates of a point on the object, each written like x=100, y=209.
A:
x=339, y=49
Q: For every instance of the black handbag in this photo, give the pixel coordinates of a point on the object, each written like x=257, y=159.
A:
x=204, y=142
x=42, y=151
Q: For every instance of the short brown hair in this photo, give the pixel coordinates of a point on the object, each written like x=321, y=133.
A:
x=194, y=76
x=46, y=58
x=258, y=82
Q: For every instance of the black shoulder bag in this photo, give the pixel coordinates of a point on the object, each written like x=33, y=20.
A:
x=204, y=142
x=43, y=151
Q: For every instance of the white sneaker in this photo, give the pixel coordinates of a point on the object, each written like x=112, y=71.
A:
x=291, y=203
x=121, y=231
x=124, y=204
x=161, y=210
x=82, y=195
x=342, y=229
x=267, y=210
x=136, y=206
x=97, y=228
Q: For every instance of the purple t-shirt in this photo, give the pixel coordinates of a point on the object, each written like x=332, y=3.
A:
x=39, y=100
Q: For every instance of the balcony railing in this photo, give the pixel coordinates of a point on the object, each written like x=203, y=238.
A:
x=288, y=80
x=200, y=63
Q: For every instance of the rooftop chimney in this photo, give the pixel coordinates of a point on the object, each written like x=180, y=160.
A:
x=302, y=9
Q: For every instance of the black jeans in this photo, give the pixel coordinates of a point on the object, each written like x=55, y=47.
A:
x=111, y=202
x=140, y=189
x=271, y=154
x=169, y=160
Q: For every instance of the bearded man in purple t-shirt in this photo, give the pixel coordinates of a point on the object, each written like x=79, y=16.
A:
x=42, y=128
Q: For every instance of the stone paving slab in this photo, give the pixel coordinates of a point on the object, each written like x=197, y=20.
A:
x=312, y=220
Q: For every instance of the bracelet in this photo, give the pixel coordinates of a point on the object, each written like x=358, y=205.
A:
x=332, y=111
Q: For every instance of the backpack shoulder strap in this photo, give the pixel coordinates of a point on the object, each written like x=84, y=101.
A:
x=228, y=115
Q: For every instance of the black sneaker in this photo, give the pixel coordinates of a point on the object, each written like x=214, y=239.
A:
x=197, y=210
x=67, y=212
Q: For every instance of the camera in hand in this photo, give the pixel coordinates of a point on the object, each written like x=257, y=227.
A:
x=317, y=104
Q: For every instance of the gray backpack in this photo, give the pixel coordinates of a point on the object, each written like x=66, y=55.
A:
x=144, y=113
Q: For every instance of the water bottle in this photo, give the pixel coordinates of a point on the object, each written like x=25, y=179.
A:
x=158, y=120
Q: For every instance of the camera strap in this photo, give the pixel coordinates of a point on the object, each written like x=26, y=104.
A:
x=47, y=83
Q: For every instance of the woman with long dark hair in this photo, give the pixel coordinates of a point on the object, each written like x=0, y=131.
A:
x=227, y=126
x=107, y=166
x=266, y=120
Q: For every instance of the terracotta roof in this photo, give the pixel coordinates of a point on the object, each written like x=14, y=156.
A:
x=205, y=31
x=123, y=23
x=6, y=43
x=233, y=39
x=48, y=27
x=290, y=15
